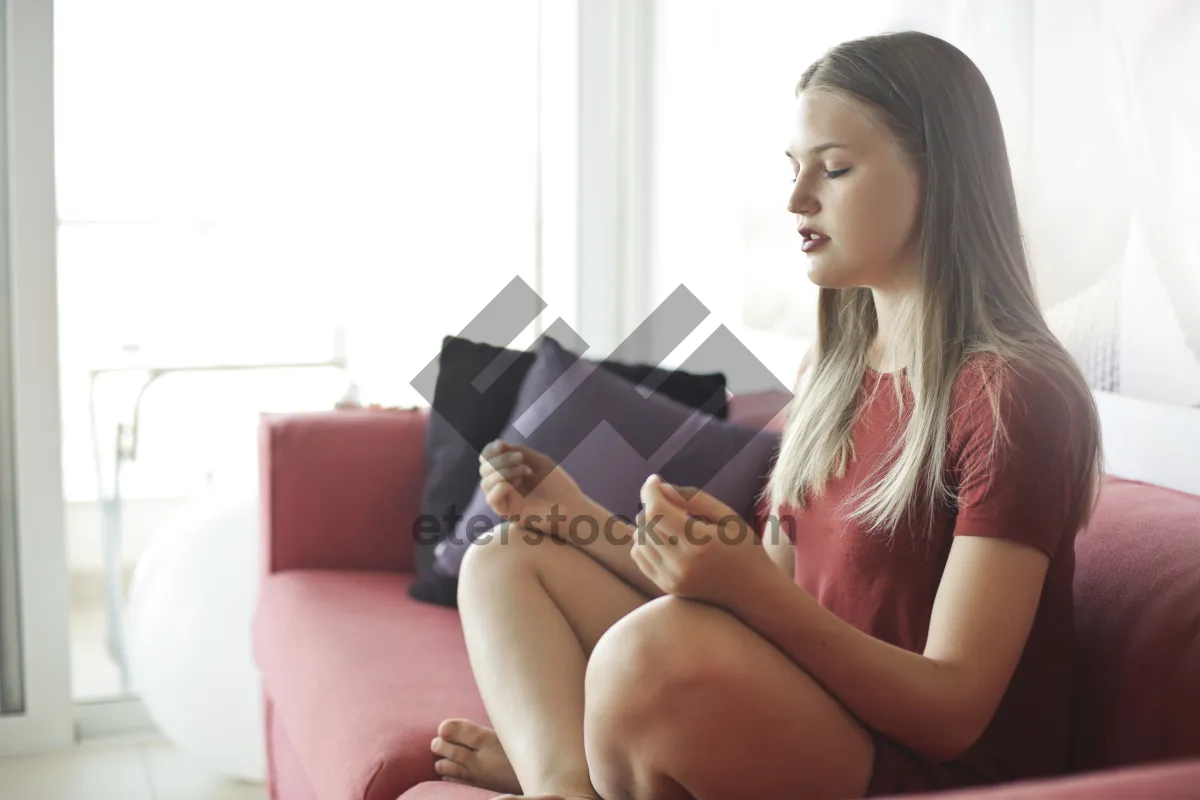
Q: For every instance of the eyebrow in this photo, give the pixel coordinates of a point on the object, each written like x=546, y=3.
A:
x=821, y=148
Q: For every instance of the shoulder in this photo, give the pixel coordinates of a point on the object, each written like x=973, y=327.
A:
x=1023, y=437
x=991, y=394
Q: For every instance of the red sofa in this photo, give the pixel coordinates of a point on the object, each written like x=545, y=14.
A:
x=357, y=675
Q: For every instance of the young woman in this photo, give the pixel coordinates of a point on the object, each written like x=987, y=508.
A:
x=912, y=629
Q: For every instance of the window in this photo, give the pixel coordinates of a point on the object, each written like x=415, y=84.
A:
x=265, y=183
x=307, y=200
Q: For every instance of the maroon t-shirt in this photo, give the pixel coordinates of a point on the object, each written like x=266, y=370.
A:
x=1024, y=490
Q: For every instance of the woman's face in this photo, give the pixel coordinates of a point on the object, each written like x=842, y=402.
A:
x=857, y=190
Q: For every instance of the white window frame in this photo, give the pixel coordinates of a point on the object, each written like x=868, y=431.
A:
x=30, y=217
x=611, y=191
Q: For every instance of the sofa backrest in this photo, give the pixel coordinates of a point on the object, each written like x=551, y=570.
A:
x=1137, y=628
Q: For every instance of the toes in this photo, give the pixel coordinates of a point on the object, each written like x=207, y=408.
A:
x=452, y=751
x=450, y=769
x=463, y=732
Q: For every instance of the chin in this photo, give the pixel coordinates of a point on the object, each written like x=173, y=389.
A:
x=828, y=272
x=825, y=277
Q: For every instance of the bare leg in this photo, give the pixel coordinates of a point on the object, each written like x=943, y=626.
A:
x=688, y=702
x=533, y=609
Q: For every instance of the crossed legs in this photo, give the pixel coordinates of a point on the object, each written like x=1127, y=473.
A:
x=597, y=690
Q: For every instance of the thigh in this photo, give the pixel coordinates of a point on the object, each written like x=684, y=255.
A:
x=735, y=716
x=590, y=596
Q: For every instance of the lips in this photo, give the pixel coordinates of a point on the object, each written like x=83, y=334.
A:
x=813, y=239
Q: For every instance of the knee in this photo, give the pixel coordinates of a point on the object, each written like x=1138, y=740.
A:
x=662, y=642
x=495, y=552
x=643, y=671
x=643, y=667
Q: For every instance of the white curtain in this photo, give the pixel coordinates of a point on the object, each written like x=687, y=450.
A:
x=1101, y=104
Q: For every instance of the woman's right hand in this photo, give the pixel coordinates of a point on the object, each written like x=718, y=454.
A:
x=527, y=485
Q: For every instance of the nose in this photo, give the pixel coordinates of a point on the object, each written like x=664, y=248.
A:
x=803, y=201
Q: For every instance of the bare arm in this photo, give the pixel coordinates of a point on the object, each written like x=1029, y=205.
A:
x=936, y=702
x=779, y=548
x=611, y=547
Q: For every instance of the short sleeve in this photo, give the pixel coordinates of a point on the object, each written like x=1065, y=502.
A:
x=1024, y=483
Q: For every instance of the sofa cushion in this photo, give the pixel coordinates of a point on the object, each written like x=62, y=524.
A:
x=360, y=675
x=1137, y=628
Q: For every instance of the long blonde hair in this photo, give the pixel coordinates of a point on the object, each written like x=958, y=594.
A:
x=974, y=296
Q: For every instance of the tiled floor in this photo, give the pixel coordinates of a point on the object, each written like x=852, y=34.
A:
x=125, y=768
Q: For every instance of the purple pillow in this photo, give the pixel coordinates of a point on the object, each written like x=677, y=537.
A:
x=610, y=435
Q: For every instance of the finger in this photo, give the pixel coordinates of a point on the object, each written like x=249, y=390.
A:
x=656, y=505
x=701, y=502
x=688, y=497
x=499, y=498
x=659, y=534
x=494, y=492
x=650, y=492
x=639, y=554
x=639, y=524
x=501, y=460
x=495, y=459
x=696, y=502
x=505, y=463
x=491, y=482
x=538, y=460
x=511, y=473
x=678, y=494
x=717, y=513
x=511, y=476
x=652, y=559
x=496, y=447
x=487, y=470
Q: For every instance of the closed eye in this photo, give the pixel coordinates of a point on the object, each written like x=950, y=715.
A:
x=830, y=174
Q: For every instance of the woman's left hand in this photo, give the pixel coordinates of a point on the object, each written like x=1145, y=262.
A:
x=699, y=547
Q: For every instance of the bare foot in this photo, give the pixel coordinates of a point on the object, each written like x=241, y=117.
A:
x=472, y=754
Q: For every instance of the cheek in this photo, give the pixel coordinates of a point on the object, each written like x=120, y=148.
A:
x=880, y=219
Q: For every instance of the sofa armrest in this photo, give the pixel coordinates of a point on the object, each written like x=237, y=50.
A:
x=341, y=489
x=1168, y=779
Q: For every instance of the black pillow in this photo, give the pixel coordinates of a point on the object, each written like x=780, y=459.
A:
x=463, y=419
